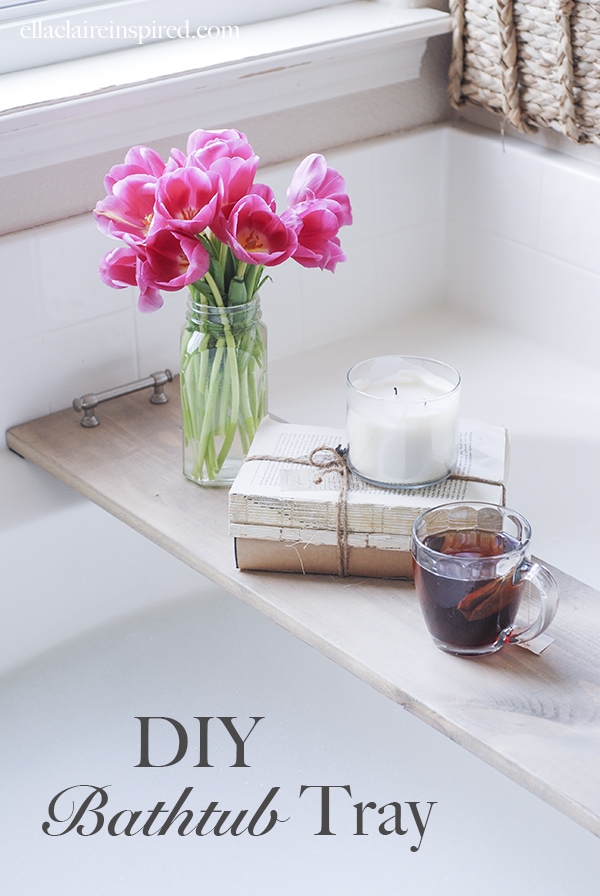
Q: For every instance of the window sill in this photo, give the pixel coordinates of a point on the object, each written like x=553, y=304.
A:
x=275, y=65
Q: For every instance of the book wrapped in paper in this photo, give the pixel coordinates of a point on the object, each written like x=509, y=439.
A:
x=288, y=513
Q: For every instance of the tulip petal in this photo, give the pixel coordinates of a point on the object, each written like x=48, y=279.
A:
x=129, y=209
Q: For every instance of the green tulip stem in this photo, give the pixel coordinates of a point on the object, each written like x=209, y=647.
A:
x=222, y=364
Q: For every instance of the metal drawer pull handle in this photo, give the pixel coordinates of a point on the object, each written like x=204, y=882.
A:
x=87, y=403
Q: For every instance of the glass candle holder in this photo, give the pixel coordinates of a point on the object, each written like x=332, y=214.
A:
x=402, y=420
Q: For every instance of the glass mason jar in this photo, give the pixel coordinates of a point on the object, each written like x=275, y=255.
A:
x=223, y=382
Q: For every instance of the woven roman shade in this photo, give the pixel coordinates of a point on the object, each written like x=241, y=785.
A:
x=535, y=62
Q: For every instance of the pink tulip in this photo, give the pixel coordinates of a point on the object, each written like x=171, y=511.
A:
x=187, y=200
x=237, y=177
x=220, y=225
x=318, y=243
x=139, y=160
x=160, y=210
x=205, y=147
x=257, y=235
x=216, y=144
x=128, y=211
x=172, y=261
x=230, y=155
x=314, y=180
x=118, y=268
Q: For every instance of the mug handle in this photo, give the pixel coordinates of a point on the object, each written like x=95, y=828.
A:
x=547, y=588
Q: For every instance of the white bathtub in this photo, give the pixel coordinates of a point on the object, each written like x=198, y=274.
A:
x=176, y=646
x=100, y=627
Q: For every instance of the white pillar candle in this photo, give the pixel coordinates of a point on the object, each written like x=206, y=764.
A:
x=402, y=420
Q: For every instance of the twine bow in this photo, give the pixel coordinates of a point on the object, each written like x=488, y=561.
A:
x=338, y=463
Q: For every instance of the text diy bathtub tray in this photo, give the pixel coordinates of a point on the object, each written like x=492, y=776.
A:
x=535, y=718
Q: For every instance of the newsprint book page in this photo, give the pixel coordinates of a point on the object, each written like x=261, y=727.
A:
x=283, y=496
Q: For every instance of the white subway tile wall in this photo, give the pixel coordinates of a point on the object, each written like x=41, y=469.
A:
x=441, y=215
x=523, y=240
x=570, y=219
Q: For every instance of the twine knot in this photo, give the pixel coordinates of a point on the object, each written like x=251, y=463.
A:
x=336, y=462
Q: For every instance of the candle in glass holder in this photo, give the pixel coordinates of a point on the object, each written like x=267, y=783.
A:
x=402, y=420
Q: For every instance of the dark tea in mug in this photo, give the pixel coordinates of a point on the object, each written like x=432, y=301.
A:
x=473, y=612
x=471, y=562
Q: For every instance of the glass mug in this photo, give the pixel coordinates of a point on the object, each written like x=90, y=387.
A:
x=471, y=563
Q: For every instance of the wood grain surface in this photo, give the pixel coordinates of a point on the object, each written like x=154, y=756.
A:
x=535, y=718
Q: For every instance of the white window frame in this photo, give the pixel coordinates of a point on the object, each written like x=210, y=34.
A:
x=34, y=33
x=82, y=108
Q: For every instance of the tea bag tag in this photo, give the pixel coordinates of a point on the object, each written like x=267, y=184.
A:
x=537, y=645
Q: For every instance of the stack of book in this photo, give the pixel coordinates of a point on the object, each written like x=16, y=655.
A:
x=284, y=516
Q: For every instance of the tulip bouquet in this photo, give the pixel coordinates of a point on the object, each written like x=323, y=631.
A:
x=199, y=220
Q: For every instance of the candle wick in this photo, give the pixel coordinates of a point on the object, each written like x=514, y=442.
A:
x=395, y=390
